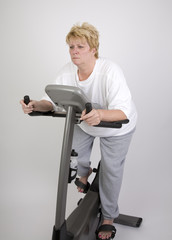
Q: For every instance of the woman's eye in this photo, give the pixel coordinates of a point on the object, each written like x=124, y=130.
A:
x=79, y=46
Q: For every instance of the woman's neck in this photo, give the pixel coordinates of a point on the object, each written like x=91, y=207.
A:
x=85, y=71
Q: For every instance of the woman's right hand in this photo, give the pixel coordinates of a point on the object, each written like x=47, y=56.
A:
x=27, y=108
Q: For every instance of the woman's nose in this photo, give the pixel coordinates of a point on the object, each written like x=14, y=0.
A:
x=75, y=50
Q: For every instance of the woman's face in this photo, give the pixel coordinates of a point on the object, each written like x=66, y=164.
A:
x=80, y=51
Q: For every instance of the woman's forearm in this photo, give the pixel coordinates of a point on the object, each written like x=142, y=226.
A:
x=42, y=106
x=111, y=115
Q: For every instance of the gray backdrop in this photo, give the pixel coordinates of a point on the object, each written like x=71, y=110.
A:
x=135, y=34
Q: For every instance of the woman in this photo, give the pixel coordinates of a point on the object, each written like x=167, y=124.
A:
x=104, y=84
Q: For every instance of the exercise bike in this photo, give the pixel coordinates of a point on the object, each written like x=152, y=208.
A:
x=85, y=219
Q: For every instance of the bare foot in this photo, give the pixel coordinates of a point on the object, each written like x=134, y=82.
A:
x=106, y=235
x=84, y=180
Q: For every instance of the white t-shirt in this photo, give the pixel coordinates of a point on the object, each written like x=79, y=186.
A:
x=106, y=88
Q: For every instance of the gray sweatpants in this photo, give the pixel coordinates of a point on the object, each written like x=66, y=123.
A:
x=113, y=154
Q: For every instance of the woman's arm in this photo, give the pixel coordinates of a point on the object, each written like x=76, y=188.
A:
x=40, y=106
x=97, y=115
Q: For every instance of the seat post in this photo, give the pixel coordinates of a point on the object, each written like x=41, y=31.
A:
x=64, y=167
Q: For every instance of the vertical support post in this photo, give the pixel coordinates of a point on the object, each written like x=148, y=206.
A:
x=64, y=168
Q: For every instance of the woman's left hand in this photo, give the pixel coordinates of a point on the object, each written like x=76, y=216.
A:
x=92, y=118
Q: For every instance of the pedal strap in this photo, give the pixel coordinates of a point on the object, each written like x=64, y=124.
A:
x=106, y=228
x=79, y=184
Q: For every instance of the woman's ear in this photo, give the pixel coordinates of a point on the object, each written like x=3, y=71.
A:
x=93, y=50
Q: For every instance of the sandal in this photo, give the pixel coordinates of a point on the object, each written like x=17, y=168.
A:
x=106, y=228
x=81, y=185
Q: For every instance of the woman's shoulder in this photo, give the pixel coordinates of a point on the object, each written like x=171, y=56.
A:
x=107, y=65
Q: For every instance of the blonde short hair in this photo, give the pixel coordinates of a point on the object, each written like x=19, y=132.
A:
x=85, y=31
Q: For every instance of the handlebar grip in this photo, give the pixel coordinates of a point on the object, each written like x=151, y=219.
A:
x=26, y=99
x=88, y=107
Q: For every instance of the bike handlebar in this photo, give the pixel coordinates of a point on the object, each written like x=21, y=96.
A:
x=88, y=106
